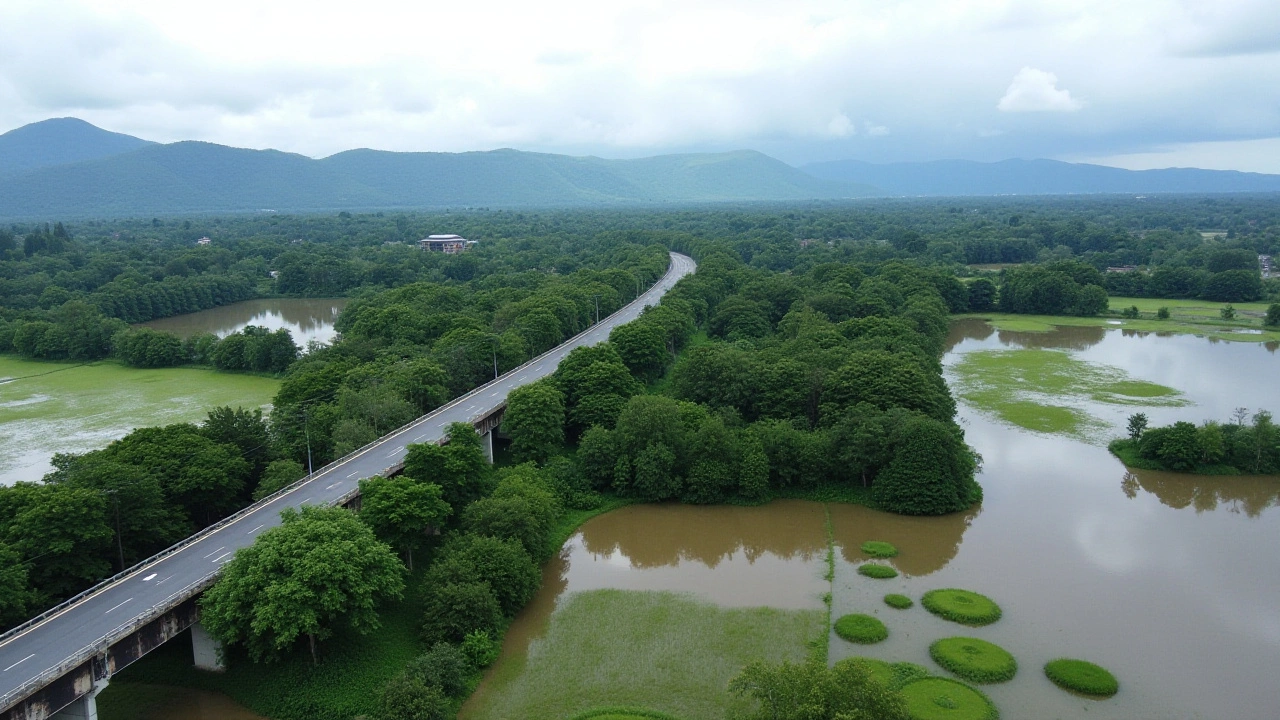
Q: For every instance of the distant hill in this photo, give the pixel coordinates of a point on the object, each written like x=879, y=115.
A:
x=1035, y=177
x=203, y=177
x=58, y=142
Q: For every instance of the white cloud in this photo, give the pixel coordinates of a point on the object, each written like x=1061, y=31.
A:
x=805, y=80
x=1035, y=90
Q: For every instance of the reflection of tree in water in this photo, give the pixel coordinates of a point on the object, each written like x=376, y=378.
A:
x=653, y=536
x=1250, y=494
x=1063, y=337
x=925, y=544
x=310, y=314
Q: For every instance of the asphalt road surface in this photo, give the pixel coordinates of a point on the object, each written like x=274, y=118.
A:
x=151, y=587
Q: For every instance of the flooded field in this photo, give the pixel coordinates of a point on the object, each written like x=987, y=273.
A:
x=307, y=319
x=1167, y=580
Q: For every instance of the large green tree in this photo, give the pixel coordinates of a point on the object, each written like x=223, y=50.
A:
x=534, y=419
x=320, y=569
x=402, y=511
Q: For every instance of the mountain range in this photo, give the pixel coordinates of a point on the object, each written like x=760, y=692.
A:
x=65, y=168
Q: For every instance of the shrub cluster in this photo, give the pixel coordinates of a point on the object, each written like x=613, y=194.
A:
x=877, y=571
x=428, y=687
x=1246, y=445
x=974, y=660
x=962, y=606
x=862, y=629
x=1082, y=676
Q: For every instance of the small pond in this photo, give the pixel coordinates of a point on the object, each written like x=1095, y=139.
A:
x=307, y=319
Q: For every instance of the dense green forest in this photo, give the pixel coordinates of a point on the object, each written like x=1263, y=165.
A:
x=1246, y=444
x=73, y=287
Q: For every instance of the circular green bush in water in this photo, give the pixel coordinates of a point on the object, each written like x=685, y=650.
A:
x=863, y=629
x=974, y=660
x=894, y=675
x=962, y=606
x=1082, y=677
x=879, y=572
x=935, y=698
x=901, y=602
x=879, y=549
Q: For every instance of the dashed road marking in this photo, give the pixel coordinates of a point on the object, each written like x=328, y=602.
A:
x=152, y=575
x=117, y=606
x=221, y=556
x=218, y=550
x=19, y=662
x=255, y=529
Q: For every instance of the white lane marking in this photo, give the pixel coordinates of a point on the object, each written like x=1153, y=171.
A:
x=335, y=485
x=391, y=454
x=220, y=557
x=161, y=582
x=353, y=474
x=105, y=613
x=19, y=662
x=218, y=550
x=255, y=529
x=420, y=436
x=148, y=577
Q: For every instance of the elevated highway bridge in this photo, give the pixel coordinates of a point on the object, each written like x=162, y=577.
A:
x=54, y=664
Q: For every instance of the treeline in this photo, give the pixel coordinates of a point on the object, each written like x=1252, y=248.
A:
x=105, y=510
x=1245, y=445
x=1221, y=275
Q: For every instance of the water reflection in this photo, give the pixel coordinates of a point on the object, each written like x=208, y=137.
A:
x=1067, y=337
x=306, y=319
x=1249, y=494
x=925, y=544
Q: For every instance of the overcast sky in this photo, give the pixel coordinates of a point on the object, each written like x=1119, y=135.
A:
x=1134, y=83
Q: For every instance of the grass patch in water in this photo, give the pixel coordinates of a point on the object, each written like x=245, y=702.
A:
x=1082, y=676
x=935, y=698
x=1189, y=317
x=861, y=629
x=877, y=571
x=900, y=602
x=961, y=606
x=1039, y=389
x=974, y=660
x=664, y=651
x=879, y=549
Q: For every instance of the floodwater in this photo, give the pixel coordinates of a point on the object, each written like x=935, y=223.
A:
x=174, y=703
x=307, y=319
x=1167, y=580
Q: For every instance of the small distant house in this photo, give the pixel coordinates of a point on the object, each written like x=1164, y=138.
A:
x=204, y=241
x=1123, y=269
x=448, y=244
x=1265, y=262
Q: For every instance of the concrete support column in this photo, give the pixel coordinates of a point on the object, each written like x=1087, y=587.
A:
x=488, y=445
x=207, y=652
x=85, y=707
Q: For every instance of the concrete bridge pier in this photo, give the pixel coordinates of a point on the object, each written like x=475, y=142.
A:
x=207, y=651
x=487, y=441
x=85, y=707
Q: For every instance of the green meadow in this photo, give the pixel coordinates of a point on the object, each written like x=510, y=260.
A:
x=1047, y=390
x=49, y=408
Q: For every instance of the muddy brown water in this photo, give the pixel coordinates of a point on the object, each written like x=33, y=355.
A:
x=1168, y=580
x=306, y=319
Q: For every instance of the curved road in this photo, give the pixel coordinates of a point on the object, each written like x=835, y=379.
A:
x=157, y=585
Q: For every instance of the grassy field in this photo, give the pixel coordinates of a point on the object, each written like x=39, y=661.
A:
x=656, y=650
x=62, y=407
x=1042, y=390
x=1193, y=317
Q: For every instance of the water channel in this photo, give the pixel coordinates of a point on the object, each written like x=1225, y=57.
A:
x=1167, y=580
x=307, y=319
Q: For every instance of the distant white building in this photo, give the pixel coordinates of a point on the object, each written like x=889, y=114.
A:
x=203, y=241
x=448, y=244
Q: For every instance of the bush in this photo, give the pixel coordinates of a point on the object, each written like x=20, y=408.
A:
x=962, y=606
x=974, y=660
x=901, y=602
x=930, y=473
x=879, y=572
x=443, y=666
x=408, y=697
x=504, y=565
x=879, y=549
x=1081, y=676
x=480, y=649
x=1162, y=313
x=863, y=629
x=456, y=609
x=935, y=698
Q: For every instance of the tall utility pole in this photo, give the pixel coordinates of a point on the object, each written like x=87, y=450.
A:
x=306, y=430
x=495, y=359
x=597, y=297
x=119, y=542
